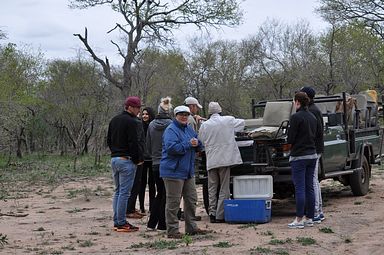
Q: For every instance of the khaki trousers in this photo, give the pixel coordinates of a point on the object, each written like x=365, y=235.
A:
x=175, y=189
x=218, y=178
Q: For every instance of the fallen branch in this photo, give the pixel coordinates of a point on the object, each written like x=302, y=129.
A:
x=14, y=215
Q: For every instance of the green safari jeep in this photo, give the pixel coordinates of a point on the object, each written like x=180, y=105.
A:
x=352, y=143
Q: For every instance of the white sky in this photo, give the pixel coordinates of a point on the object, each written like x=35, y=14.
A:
x=49, y=25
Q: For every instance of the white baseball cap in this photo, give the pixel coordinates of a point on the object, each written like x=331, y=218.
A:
x=181, y=108
x=192, y=100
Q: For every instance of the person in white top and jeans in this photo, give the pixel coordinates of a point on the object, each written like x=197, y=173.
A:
x=218, y=137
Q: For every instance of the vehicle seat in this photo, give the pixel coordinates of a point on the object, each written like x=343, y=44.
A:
x=327, y=107
x=253, y=123
x=275, y=113
x=362, y=104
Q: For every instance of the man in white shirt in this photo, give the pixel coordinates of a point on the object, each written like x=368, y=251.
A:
x=218, y=136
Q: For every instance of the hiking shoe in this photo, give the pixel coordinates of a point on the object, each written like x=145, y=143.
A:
x=134, y=215
x=199, y=231
x=127, y=227
x=308, y=222
x=296, y=224
x=177, y=235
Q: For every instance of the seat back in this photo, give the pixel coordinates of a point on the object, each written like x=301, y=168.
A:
x=361, y=104
x=253, y=123
x=277, y=112
x=327, y=107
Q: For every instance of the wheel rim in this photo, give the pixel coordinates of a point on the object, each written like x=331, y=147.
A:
x=364, y=173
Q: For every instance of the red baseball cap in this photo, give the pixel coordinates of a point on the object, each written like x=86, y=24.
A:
x=133, y=101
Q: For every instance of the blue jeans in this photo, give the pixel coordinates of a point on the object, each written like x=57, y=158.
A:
x=123, y=172
x=302, y=176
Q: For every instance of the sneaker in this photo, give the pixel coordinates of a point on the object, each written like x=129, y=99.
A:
x=219, y=221
x=319, y=218
x=296, y=224
x=316, y=220
x=177, y=235
x=148, y=229
x=308, y=222
x=213, y=219
x=127, y=227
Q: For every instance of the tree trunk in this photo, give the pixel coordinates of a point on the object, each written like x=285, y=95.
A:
x=20, y=141
x=18, y=149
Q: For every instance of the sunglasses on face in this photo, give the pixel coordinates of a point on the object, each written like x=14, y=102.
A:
x=184, y=114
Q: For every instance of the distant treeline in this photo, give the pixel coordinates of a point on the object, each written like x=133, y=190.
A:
x=64, y=106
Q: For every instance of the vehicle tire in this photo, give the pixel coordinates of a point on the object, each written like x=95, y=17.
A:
x=205, y=195
x=359, y=181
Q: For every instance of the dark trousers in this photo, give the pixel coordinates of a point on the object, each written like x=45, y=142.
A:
x=157, y=216
x=135, y=190
x=302, y=176
x=147, y=177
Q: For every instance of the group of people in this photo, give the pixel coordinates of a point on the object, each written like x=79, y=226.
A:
x=162, y=149
x=305, y=134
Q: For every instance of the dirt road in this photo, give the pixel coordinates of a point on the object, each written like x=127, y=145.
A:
x=76, y=218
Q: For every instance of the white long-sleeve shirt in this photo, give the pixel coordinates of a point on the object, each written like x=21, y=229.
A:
x=218, y=137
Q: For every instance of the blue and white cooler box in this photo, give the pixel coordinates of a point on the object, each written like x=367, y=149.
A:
x=252, y=201
x=247, y=210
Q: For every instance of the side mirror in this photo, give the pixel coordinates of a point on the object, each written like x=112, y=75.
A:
x=335, y=119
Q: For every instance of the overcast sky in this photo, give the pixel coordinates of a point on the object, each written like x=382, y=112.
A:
x=49, y=25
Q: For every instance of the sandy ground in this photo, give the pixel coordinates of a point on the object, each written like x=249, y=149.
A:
x=76, y=218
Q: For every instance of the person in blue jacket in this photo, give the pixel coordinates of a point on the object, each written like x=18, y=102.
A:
x=180, y=144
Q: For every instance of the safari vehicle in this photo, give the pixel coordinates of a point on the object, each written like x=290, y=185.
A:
x=352, y=143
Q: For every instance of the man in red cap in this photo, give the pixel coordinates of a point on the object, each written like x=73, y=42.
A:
x=124, y=140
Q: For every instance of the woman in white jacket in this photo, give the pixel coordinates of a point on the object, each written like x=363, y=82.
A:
x=218, y=137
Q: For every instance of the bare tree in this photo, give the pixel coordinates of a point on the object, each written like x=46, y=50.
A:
x=3, y=35
x=285, y=56
x=154, y=20
x=369, y=12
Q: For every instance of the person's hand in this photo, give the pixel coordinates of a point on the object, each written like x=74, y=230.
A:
x=194, y=142
x=198, y=118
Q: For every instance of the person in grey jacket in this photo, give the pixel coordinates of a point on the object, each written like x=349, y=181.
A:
x=154, y=144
